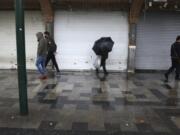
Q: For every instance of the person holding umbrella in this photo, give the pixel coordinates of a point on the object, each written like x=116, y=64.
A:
x=102, y=47
x=104, y=57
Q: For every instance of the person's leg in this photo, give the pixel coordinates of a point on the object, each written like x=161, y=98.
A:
x=97, y=70
x=177, y=66
x=40, y=62
x=53, y=58
x=47, y=59
x=38, y=65
x=43, y=65
x=171, y=69
x=43, y=60
x=103, y=64
x=104, y=68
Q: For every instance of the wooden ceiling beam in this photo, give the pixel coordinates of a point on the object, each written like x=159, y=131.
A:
x=135, y=10
x=47, y=10
x=28, y=5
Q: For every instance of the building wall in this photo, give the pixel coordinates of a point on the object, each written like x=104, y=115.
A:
x=76, y=32
x=33, y=24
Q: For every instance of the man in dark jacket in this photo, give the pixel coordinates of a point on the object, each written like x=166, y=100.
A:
x=51, y=50
x=41, y=55
x=175, y=59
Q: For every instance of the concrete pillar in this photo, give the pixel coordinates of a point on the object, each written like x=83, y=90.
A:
x=48, y=13
x=50, y=28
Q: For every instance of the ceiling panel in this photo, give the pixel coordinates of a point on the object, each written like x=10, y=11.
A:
x=94, y=5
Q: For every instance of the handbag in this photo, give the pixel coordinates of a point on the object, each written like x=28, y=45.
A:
x=97, y=62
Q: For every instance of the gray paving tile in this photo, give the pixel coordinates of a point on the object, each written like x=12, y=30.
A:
x=47, y=125
x=140, y=96
x=144, y=127
x=79, y=126
x=113, y=85
x=50, y=86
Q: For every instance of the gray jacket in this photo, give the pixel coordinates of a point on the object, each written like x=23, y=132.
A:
x=42, y=45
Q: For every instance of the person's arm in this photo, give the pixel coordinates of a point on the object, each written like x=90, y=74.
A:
x=178, y=51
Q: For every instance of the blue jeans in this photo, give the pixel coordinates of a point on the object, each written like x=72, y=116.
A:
x=40, y=64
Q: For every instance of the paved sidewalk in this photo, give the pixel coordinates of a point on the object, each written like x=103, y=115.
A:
x=80, y=103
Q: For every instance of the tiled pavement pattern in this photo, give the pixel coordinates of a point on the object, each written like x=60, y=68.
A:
x=80, y=103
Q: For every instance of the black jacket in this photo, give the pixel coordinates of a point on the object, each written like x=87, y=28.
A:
x=52, y=47
x=175, y=50
x=104, y=55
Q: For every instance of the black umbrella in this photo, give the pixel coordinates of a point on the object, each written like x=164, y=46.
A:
x=102, y=45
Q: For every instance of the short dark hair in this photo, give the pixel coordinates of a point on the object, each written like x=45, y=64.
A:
x=178, y=38
x=47, y=33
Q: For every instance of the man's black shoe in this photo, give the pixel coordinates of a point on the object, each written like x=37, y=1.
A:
x=106, y=73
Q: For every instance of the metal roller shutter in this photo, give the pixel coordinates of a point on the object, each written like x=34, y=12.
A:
x=155, y=34
x=75, y=33
x=33, y=24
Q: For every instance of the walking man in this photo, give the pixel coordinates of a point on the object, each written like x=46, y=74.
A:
x=51, y=51
x=175, y=60
x=41, y=55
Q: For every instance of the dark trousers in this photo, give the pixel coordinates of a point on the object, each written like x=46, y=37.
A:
x=175, y=66
x=103, y=64
x=51, y=56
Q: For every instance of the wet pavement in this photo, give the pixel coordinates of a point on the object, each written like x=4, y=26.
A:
x=81, y=103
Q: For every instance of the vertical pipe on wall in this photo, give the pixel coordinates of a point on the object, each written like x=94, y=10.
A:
x=21, y=57
x=132, y=47
x=135, y=11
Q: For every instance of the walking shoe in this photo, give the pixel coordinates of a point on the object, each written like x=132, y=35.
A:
x=58, y=71
x=44, y=77
x=97, y=70
x=106, y=73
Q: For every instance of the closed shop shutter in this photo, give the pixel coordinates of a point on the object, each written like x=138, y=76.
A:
x=76, y=32
x=33, y=24
x=156, y=31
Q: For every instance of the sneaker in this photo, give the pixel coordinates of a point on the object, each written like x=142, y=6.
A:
x=106, y=73
x=44, y=77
